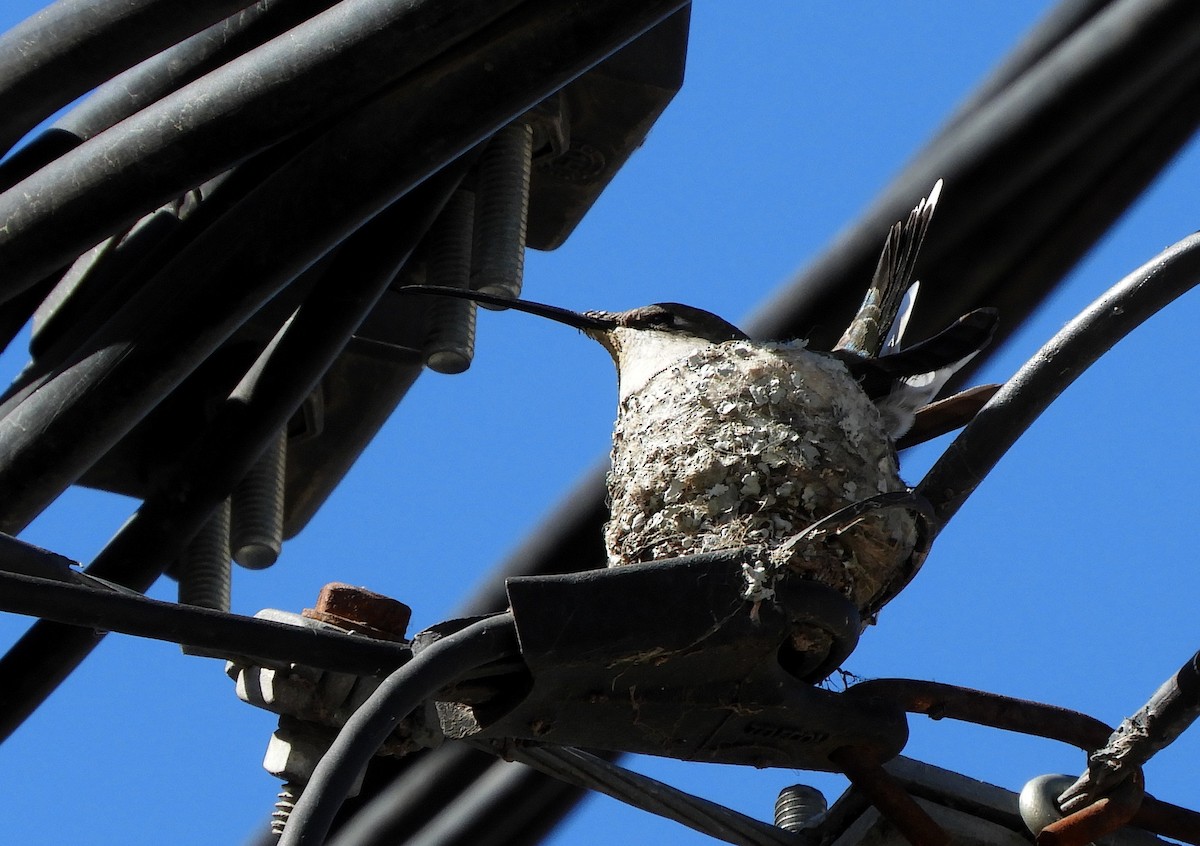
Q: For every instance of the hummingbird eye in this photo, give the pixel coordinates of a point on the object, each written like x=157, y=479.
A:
x=650, y=317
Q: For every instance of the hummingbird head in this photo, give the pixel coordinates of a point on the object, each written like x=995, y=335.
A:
x=647, y=340
x=642, y=341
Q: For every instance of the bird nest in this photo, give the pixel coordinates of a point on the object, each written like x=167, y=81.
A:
x=748, y=444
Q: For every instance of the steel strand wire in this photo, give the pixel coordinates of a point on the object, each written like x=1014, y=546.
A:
x=427, y=804
x=432, y=667
x=586, y=770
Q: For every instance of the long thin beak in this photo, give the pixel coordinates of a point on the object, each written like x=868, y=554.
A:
x=562, y=315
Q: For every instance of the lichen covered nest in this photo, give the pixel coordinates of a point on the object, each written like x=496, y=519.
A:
x=745, y=444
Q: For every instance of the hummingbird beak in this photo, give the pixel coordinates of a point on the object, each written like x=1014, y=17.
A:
x=593, y=325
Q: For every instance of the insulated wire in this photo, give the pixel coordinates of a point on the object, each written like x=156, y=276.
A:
x=432, y=668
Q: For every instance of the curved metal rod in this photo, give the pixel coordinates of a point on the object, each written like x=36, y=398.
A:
x=1124, y=307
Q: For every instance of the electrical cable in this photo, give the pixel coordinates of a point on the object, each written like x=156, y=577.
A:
x=586, y=770
x=318, y=70
x=215, y=632
x=71, y=46
x=433, y=667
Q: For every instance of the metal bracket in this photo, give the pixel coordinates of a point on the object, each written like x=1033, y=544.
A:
x=669, y=659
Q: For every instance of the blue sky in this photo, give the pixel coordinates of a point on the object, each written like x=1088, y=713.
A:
x=1068, y=578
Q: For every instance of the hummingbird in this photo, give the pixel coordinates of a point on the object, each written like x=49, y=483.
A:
x=722, y=441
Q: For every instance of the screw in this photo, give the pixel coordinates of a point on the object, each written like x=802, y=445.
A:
x=256, y=535
x=502, y=210
x=450, y=342
x=295, y=750
x=799, y=807
x=288, y=796
x=204, y=574
x=361, y=610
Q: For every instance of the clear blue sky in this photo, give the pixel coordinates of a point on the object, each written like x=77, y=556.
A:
x=1066, y=578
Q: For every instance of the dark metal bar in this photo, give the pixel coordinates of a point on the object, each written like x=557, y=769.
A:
x=216, y=632
x=888, y=795
x=72, y=46
x=317, y=70
x=1056, y=365
x=239, y=433
x=1169, y=820
x=940, y=701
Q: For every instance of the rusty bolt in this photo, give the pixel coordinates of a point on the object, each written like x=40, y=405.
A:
x=362, y=611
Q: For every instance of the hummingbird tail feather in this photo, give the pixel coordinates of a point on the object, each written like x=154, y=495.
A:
x=919, y=372
x=877, y=317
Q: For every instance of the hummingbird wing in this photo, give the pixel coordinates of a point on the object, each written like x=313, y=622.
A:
x=877, y=317
x=904, y=381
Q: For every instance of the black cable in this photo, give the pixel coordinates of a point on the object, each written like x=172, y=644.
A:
x=215, y=632
x=427, y=804
x=320, y=69
x=152, y=79
x=72, y=46
x=182, y=63
x=432, y=668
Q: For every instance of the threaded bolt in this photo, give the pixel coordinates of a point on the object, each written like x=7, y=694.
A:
x=450, y=341
x=256, y=533
x=205, y=571
x=289, y=795
x=502, y=210
x=799, y=807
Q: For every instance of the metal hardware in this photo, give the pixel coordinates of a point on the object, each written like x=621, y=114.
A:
x=502, y=210
x=799, y=806
x=256, y=530
x=450, y=341
x=204, y=568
